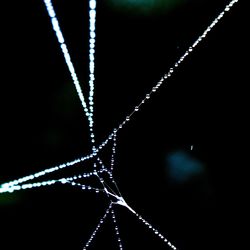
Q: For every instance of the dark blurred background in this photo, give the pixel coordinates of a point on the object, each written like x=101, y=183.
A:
x=189, y=195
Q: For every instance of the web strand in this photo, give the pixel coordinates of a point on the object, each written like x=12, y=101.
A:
x=49, y=183
x=155, y=231
x=117, y=232
x=101, y=221
x=55, y=24
x=92, y=41
x=60, y=38
x=176, y=65
x=5, y=186
x=112, y=161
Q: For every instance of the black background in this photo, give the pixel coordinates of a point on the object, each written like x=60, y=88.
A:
x=204, y=104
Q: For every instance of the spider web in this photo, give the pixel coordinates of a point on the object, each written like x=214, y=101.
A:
x=100, y=170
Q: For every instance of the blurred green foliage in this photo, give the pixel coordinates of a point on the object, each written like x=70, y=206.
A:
x=8, y=199
x=145, y=6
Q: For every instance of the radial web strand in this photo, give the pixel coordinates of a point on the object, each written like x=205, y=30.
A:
x=155, y=231
x=177, y=64
x=55, y=24
x=101, y=221
x=116, y=229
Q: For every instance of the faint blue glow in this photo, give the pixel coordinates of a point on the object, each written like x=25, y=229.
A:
x=182, y=167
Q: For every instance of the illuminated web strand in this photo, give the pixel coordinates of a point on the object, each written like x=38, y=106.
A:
x=85, y=175
x=70, y=181
x=112, y=161
x=107, y=189
x=46, y=171
x=110, y=173
x=92, y=41
x=61, y=41
x=113, y=149
x=155, y=231
x=64, y=180
x=83, y=187
x=177, y=64
x=92, y=37
x=42, y=173
x=63, y=46
x=101, y=221
x=55, y=168
x=99, y=160
x=92, y=34
x=14, y=188
x=114, y=182
x=116, y=229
